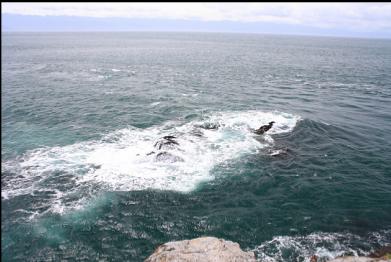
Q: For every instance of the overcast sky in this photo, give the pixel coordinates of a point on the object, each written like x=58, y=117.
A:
x=356, y=19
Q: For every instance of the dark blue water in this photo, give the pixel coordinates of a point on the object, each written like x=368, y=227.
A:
x=81, y=113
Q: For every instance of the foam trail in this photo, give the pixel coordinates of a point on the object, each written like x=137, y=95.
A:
x=123, y=160
x=325, y=246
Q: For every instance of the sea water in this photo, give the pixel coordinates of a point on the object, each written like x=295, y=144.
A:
x=83, y=114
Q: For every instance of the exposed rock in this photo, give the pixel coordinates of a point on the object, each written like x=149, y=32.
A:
x=167, y=142
x=169, y=137
x=264, y=128
x=209, y=126
x=94, y=166
x=203, y=249
x=314, y=258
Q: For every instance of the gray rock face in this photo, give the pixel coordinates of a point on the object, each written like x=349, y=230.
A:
x=203, y=249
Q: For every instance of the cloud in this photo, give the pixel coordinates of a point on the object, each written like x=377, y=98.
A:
x=353, y=16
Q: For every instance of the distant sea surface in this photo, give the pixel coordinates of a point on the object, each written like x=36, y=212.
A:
x=86, y=174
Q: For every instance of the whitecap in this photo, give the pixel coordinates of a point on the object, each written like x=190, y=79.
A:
x=325, y=246
x=154, y=103
x=122, y=160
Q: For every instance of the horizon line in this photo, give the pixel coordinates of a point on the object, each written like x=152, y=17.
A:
x=203, y=32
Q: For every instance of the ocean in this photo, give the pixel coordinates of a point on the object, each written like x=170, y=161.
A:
x=86, y=174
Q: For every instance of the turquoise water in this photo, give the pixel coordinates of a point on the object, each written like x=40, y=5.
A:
x=81, y=113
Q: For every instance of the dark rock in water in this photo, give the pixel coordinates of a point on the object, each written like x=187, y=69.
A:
x=264, y=128
x=169, y=137
x=209, y=126
x=168, y=157
x=166, y=143
x=206, y=249
x=95, y=166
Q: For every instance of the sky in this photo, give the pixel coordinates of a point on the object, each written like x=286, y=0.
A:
x=329, y=19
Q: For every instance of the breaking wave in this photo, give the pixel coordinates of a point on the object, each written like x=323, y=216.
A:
x=129, y=159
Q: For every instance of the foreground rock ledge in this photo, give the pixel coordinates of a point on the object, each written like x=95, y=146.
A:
x=203, y=249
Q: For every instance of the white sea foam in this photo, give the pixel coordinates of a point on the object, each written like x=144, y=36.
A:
x=154, y=103
x=325, y=246
x=276, y=152
x=115, y=70
x=121, y=160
